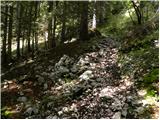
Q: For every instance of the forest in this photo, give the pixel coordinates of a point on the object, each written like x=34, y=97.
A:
x=80, y=59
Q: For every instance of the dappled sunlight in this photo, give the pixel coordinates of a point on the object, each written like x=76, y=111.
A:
x=156, y=42
x=142, y=92
x=70, y=41
x=61, y=62
x=149, y=100
x=10, y=86
x=109, y=91
x=129, y=12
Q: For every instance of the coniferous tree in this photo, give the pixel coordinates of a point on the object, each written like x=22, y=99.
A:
x=10, y=33
x=4, y=54
x=63, y=23
x=84, y=21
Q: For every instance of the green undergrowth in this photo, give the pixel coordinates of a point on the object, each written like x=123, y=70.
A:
x=140, y=43
x=116, y=26
x=5, y=113
x=141, y=61
x=150, y=82
x=143, y=65
x=138, y=53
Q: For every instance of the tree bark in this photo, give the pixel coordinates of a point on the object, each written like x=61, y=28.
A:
x=53, y=43
x=54, y=20
x=36, y=29
x=84, y=21
x=94, y=16
x=63, y=24
x=100, y=11
x=18, y=31
x=33, y=43
x=23, y=40
x=29, y=28
x=4, y=55
x=10, y=34
x=50, y=8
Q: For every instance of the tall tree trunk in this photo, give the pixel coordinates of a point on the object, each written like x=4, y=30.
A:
x=4, y=55
x=50, y=8
x=100, y=12
x=84, y=21
x=36, y=27
x=23, y=39
x=53, y=34
x=18, y=31
x=33, y=39
x=49, y=33
x=54, y=20
x=10, y=34
x=46, y=39
x=63, y=24
x=29, y=28
x=94, y=16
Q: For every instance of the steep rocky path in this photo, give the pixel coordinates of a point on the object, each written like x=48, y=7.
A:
x=86, y=84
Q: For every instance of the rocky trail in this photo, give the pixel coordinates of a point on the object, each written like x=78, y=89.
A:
x=88, y=85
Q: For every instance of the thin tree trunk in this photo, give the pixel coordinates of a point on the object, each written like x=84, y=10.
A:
x=94, y=16
x=10, y=34
x=23, y=39
x=53, y=34
x=45, y=38
x=63, y=24
x=100, y=11
x=29, y=28
x=36, y=29
x=49, y=32
x=33, y=44
x=138, y=13
x=36, y=41
x=50, y=8
x=4, y=55
x=54, y=20
x=18, y=28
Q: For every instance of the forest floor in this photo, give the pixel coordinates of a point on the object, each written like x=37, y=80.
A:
x=76, y=80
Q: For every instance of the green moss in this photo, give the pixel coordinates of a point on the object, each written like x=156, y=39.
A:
x=151, y=92
x=5, y=112
x=152, y=76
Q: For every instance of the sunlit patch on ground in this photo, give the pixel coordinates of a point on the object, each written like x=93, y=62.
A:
x=98, y=88
x=142, y=92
